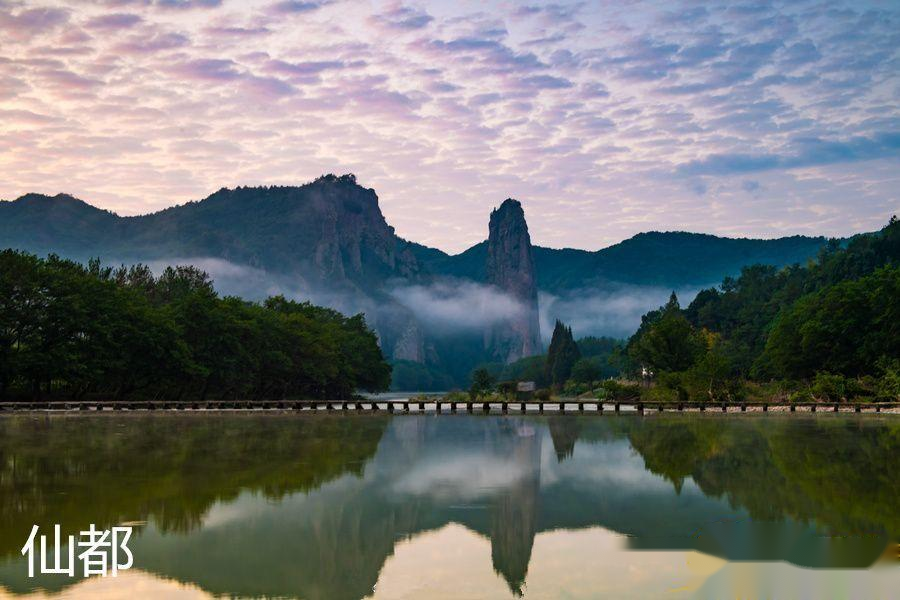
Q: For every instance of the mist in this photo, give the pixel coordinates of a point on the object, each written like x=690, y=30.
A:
x=449, y=306
x=614, y=311
x=232, y=279
x=255, y=284
x=457, y=305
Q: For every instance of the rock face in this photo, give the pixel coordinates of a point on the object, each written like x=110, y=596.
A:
x=510, y=268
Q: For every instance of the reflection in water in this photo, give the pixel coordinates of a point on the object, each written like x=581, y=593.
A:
x=347, y=506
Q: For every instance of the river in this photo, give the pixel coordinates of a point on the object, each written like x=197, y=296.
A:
x=462, y=506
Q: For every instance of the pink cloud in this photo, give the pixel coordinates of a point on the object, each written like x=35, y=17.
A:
x=113, y=21
x=208, y=69
x=462, y=103
x=25, y=24
x=151, y=42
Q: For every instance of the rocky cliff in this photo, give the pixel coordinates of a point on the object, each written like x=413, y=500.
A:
x=510, y=268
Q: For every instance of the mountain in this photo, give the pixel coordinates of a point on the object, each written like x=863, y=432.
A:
x=510, y=268
x=329, y=232
x=671, y=259
x=328, y=241
x=332, y=231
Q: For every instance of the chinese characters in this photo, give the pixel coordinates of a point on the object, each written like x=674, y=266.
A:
x=101, y=555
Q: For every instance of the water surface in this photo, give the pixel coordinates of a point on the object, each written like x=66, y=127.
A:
x=460, y=506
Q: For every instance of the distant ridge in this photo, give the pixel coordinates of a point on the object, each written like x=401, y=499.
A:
x=673, y=259
x=266, y=226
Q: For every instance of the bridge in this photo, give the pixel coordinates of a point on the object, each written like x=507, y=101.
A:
x=442, y=405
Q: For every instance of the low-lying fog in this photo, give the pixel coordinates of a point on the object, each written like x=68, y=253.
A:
x=453, y=305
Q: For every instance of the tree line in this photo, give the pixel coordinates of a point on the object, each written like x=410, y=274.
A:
x=69, y=330
x=829, y=330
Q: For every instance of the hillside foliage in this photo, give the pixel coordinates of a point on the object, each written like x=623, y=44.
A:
x=829, y=330
x=69, y=331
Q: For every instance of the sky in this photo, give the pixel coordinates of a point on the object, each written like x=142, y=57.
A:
x=756, y=119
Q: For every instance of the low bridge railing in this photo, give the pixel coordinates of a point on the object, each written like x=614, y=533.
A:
x=434, y=405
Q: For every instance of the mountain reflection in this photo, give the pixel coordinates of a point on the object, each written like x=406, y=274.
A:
x=312, y=507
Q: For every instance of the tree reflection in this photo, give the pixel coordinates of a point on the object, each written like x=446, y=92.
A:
x=311, y=507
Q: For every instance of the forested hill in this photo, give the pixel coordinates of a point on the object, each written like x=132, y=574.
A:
x=674, y=259
x=826, y=331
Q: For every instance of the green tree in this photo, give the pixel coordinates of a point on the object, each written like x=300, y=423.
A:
x=710, y=378
x=587, y=370
x=73, y=330
x=562, y=355
x=482, y=383
x=667, y=341
x=844, y=328
x=604, y=351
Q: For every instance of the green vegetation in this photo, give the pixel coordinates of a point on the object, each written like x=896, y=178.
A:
x=562, y=355
x=482, y=383
x=599, y=352
x=69, y=330
x=828, y=331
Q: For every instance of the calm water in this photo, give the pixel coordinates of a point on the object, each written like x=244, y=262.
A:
x=334, y=507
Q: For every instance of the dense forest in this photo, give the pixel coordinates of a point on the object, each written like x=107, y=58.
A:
x=69, y=330
x=829, y=330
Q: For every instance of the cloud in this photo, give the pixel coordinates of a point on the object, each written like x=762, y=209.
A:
x=292, y=7
x=267, y=87
x=25, y=117
x=807, y=152
x=457, y=305
x=550, y=13
x=613, y=311
x=305, y=68
x=10, y=87
x=800, y=53
x=188, y=4
x=208, y=69
x=699, y=187
x=237, y=32
x=63, y=80
x=111, y=22
x=152, y=42
x=462, y=476
x=590, y=112
x=489, y=53
x=545, y=82
x=485, y=99
x=28, y=23
x=403, y=18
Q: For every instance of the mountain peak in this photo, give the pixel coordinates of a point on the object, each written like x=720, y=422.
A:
x=510, y=208
x=346, y=179
x=510, y=267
